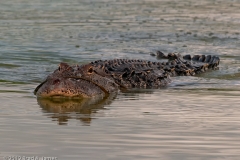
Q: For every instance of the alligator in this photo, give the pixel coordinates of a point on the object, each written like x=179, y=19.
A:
x=103, y=77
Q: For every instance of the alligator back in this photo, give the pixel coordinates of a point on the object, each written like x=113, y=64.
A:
x=141, y=73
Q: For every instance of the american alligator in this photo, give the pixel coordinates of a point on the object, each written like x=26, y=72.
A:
x=103, y=77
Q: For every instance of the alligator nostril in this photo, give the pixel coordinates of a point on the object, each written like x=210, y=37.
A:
x=90, y=70
x=56, y=81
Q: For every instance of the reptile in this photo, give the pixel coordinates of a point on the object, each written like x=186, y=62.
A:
x=103, y=77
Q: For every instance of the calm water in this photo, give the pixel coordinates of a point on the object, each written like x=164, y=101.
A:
x=194, y=118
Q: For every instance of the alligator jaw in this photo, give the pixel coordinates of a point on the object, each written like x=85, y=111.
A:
x=68, y=87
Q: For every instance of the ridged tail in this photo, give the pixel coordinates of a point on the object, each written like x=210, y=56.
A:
x=189, y=65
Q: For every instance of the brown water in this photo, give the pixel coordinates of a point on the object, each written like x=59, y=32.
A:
x=194, y=118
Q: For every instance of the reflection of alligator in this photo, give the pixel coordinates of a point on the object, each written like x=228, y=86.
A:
x=64, y=109
x=104, y=77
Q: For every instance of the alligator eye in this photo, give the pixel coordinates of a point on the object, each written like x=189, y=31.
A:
x=90, y=70
x=59, y=68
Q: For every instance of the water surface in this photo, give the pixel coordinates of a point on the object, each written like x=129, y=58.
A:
x=193, y=118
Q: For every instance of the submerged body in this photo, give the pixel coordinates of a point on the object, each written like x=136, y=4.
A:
x=105, y=77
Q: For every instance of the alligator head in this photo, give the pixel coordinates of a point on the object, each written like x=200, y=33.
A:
x=75, y=81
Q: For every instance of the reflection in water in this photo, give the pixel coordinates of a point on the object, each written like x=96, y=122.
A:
x=133, y=94
x=63, y=110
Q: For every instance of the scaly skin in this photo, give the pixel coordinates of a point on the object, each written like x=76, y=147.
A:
x=105, y=77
